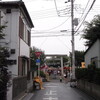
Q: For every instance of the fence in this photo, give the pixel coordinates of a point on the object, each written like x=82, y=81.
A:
x=19, y=86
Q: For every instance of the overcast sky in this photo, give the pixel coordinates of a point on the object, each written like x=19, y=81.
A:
x=50, y=17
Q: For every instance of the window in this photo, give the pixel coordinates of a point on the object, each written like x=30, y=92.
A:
x=29, y=39
x=24, y=67
x=94, y=61
x=8, y=11
x=21, y=28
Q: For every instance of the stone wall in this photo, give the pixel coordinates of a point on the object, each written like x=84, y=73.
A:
x=90, y=88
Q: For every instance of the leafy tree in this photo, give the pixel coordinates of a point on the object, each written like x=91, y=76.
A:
x=34, y=57
x=79, y=57
x=4, y=76
x=92, y=31
x=65, y=60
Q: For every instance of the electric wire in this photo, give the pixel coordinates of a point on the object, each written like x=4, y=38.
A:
x=56, y=26
x=62, y=23
x=85, y=8
x=83, y=13
x=56, y=7
x=43, y=42
x=40, y=36
x=85, y=16
x=52, y=13
x=63, y=43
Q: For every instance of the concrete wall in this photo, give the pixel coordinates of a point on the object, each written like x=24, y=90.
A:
x=89, y=88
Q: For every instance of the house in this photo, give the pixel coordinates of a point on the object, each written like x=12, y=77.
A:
x=17, y=40
x=92, y=54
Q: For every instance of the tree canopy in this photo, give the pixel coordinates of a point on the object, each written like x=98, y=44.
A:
x=34, y=57
x=92, y=31
x=79, y=57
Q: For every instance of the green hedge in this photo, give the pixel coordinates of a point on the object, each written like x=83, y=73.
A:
x=90, y=74
x=97, y=76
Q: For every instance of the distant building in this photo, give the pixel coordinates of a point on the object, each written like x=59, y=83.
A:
x=17, y=40
x=92, y=54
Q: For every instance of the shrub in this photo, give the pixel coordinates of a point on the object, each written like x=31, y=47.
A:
x=89, y=74
x=97, y=76
x=81, y=73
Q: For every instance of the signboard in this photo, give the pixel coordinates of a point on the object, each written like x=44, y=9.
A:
x=38, y=54
x=37, y=60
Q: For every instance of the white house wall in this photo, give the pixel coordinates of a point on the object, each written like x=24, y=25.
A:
x=24, y=49
x=12, y=38
x=94, y=51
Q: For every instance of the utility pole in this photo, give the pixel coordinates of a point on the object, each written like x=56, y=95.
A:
x=73, y=44
x=62, y=72
x=72, y=41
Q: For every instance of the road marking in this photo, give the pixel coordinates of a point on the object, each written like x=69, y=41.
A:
x=50, y=86
x=50, y=98
x=51, y=93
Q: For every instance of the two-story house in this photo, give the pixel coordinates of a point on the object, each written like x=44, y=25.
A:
x=17, y=40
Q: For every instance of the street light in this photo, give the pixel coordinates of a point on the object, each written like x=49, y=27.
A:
x=73, y=45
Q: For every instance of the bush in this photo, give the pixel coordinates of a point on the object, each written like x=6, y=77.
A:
x=97, y=77
x=90, y=74
x=81, y=73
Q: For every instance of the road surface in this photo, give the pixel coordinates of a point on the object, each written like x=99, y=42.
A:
x=55, y=90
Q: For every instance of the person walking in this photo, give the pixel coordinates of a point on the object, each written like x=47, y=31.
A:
x=60, y=77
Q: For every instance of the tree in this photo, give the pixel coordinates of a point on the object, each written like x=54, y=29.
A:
x=4, y=76
x=92, y=31
x=79, y=57
x=34, y=57
x=66, y=60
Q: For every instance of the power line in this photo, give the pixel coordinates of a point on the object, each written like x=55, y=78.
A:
x=40, y=36
x=43, y=42
x=85, y=8
x=64, y=43
x=85, y=16
x=56, y=26
x=56, y=7
x=44, y=32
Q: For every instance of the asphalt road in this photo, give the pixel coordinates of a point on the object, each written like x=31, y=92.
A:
x=54, y=90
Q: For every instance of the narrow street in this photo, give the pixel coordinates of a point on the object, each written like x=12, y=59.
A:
x=54, y=90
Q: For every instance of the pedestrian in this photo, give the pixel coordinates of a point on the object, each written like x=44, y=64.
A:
x=60, y=77
x=65, y=77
